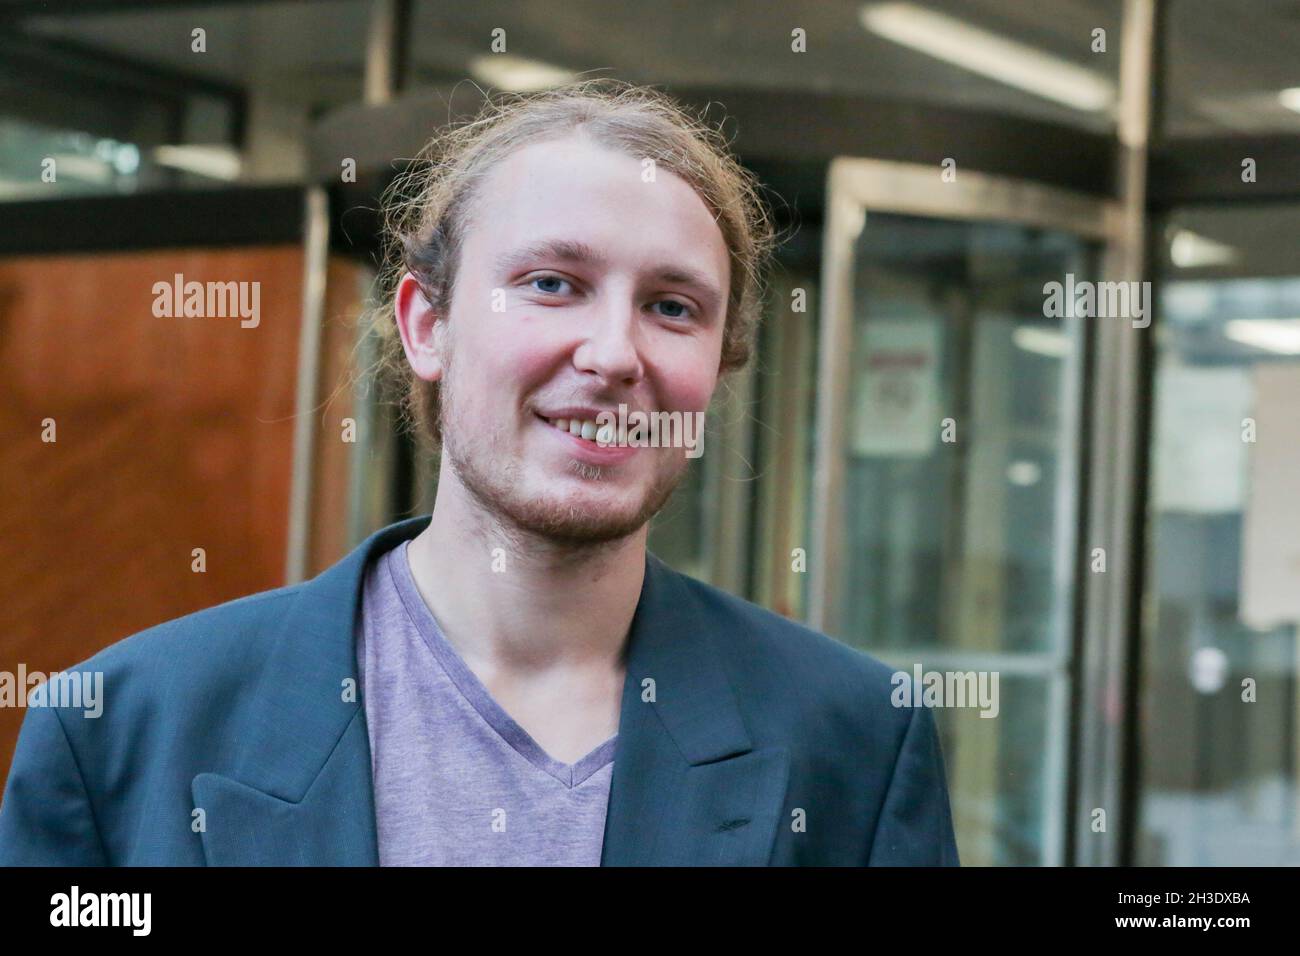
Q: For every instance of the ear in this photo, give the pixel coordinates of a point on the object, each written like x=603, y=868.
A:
x=421, y=329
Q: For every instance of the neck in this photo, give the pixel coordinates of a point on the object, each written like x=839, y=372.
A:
x=510, y=601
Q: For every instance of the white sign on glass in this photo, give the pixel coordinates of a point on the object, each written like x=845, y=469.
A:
x=896, y=389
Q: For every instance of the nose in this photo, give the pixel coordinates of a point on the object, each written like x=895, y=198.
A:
x=612, y=349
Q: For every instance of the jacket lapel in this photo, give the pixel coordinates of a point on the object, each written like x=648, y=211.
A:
x=688, y=787
x=301, y=792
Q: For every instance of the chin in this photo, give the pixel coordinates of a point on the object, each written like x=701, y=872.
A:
x=581, y=505
x=584, y=514
x=575, y=523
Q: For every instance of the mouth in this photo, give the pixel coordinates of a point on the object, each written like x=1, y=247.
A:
x=588, y=441
x=584, y=429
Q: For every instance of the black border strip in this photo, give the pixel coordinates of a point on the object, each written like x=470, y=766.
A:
x=1208, y=171
x=239, y=215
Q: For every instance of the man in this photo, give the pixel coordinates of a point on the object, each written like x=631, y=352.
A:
x=513, y=679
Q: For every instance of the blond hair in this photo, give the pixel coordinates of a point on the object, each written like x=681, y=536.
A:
x=427, y=206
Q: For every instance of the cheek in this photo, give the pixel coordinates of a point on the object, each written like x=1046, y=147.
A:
x=688, y=377
x=525, y=358
x=508, y=360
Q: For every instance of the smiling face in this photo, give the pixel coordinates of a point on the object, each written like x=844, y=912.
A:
x=580, y=287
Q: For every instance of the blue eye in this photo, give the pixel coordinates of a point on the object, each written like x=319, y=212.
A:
x=685, y=313
x=550, y=279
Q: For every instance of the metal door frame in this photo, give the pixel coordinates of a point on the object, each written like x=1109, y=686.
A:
x=856, y=189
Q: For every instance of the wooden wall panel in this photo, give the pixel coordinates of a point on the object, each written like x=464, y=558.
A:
x=345, y=294
x=172, y=434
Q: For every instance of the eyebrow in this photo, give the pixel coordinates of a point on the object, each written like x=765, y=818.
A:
x=569, y=250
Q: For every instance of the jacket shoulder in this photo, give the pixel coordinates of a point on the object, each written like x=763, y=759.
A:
x=204, y=637
x=755, y=641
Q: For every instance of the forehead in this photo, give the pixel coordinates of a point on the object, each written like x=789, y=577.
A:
x=606, y=198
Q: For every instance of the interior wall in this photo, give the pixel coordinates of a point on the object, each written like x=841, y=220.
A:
x=170, y=434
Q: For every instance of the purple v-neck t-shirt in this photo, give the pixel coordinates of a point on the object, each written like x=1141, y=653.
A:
x=457, y=781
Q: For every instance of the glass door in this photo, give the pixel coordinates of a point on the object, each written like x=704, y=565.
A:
x=1218, y=779
x=947, y=503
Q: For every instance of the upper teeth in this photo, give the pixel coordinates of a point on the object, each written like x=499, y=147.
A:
x=585, y=428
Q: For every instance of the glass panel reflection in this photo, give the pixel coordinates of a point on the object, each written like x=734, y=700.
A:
x=960, y=500
x=1218, y=770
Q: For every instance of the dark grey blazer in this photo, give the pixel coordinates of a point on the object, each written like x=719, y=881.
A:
x=765, y=743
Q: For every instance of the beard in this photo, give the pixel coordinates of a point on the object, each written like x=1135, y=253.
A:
x=495, y=483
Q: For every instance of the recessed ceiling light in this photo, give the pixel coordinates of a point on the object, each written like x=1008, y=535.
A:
x=1049, y=342
x=1190, y=250
x=517, y=74
x=91, y=169
x=212, y=161
x=1024, y=474
x=988, y=54
x=1272, y=335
